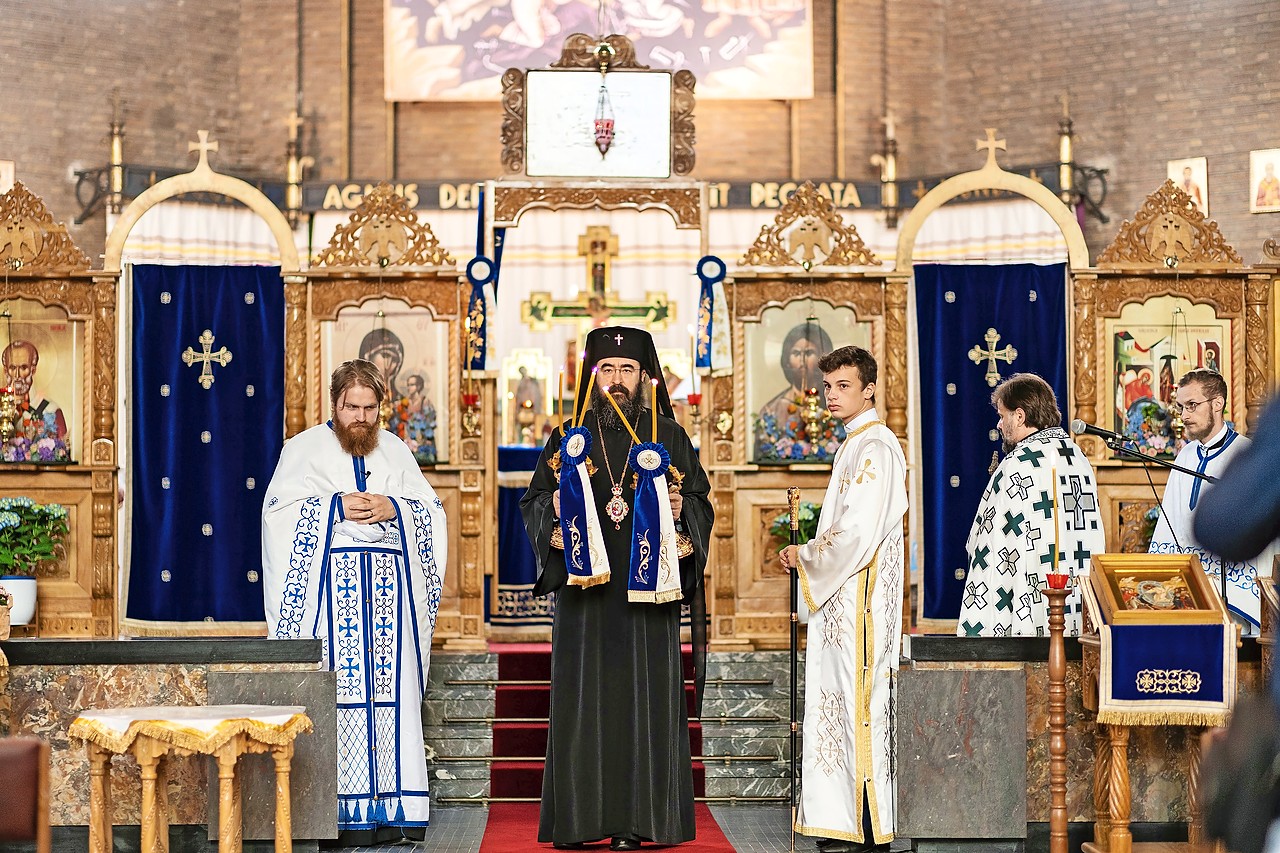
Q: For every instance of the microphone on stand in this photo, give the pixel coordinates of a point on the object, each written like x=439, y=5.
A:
x=1079, y=427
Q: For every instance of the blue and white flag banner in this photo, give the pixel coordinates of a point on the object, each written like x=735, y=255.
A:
x=713, y=353
x=208, y=426
x=655, y=567
x=585, y=557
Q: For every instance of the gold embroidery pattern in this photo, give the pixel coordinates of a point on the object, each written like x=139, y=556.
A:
x=833, y=620
x=645, y=549
x=830, y=752
x=844, y=482
x=866, y=473
x=576, y=544
x=825, y=542
x=1168, y=681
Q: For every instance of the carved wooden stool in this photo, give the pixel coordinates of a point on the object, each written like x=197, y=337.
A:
x=224, y=732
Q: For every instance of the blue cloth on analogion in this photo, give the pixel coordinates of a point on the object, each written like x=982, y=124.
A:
x=1181, y=662
x=517, y=566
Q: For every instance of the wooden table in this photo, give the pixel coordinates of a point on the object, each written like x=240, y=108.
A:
x=224, y=732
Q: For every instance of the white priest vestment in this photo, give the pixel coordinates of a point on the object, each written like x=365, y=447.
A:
x=851, y=576
x=1011, y=542
x=1174, y=533
x=370, y=592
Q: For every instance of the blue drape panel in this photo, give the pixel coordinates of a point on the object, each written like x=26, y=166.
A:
x=955, y=306
x=202, y=458
x=517, y=565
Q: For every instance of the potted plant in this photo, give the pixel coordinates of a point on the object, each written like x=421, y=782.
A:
x=808, y=517
x=31, y=534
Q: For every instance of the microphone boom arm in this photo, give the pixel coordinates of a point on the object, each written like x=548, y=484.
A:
x=1117, y=446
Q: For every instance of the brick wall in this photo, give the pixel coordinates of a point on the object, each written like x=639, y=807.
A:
x=1148, y=82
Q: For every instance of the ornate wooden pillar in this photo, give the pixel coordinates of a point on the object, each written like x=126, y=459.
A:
x=295, y=356
x=1257, y=365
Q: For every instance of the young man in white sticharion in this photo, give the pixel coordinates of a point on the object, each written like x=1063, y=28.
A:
x=851, y=576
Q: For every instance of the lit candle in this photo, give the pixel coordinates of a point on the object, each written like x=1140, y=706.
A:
x=653, y=399
x=1053, y=512
x=560, y=402
x=693, y=359
x=580, y=406
x=604, y=392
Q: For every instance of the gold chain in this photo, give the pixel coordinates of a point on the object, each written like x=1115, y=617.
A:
x=604, y=451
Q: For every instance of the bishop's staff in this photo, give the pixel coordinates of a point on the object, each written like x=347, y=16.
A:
x=793, y=502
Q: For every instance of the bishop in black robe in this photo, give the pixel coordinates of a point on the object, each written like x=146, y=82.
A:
x=618, y=759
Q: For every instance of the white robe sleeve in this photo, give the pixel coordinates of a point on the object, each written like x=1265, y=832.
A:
x=867, y=499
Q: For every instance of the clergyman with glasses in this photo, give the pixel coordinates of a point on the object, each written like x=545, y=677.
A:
x=618, y=753
x=1201, y=400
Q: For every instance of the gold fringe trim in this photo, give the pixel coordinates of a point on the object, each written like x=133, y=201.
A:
x=1209, y=719
x=589, y=580
x=146, y=628
x=667, y=595
x=804, y=587
x=184, y=737
x=641, y=597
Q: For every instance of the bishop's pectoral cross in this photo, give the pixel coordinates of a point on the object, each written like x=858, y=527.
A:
x=597, y=303
x=1007, y=354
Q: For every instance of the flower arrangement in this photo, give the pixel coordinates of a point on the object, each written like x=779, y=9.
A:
x=31, y=534
x=785, y=441
x=1151, y=427
x=47, y=450
x=808, y=517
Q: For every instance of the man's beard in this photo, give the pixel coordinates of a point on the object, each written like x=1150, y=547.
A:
x=1007, y=446
x=358, y=439
x=630, y=404
x=21, y=385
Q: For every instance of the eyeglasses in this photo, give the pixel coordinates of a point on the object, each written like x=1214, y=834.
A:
x=626, y=371
x=1189, y=407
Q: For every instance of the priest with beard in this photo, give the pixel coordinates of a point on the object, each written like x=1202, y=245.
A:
x=618, y=760
x=353, y=552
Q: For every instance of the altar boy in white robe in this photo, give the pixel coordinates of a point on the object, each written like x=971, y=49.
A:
x=851, y=576
x=353, y=548
x=1041, y=502
x=1201, y=399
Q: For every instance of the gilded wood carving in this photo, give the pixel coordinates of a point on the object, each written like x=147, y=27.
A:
x=683, y=203
x=583, y=51
x=512, y=133
x=683, y=137
x=30, y=238
x=384, y=231
x=1168, y=230
x=808, y=225
x=1271, y=249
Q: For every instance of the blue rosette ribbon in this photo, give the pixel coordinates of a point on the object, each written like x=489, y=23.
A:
x=711, y=272
x=584, y=553
x=654, y=576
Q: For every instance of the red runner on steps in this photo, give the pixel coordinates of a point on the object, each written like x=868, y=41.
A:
x=513, y=828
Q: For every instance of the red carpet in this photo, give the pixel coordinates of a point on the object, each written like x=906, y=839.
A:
x=520, y=724
x=513, y=828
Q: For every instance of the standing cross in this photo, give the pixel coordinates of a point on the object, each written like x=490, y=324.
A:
x=977, y=355
x=204, y=146
x=991, y=144
x=618, y=339
x=294, y=123
x=206, y=357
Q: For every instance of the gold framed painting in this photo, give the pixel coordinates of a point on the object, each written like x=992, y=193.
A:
x=790, y=424
x=1154, y=589
x=42, y=360
x=411, y=348
x=1264, y=182
x=1148, y=348
x=1191, y=175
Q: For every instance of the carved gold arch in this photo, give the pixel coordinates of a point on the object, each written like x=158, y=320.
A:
x=203, y=179
x=992, y=176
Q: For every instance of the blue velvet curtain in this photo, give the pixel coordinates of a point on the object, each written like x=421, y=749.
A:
x=203, y=450
x=955, y=307
x=517, y=565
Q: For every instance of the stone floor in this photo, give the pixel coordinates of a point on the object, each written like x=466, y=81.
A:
x=750, y=829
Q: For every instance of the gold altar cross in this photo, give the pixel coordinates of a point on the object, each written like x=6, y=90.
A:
x=206, y=358
x=991, y=144
x=977, y=355
x=597, y=303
